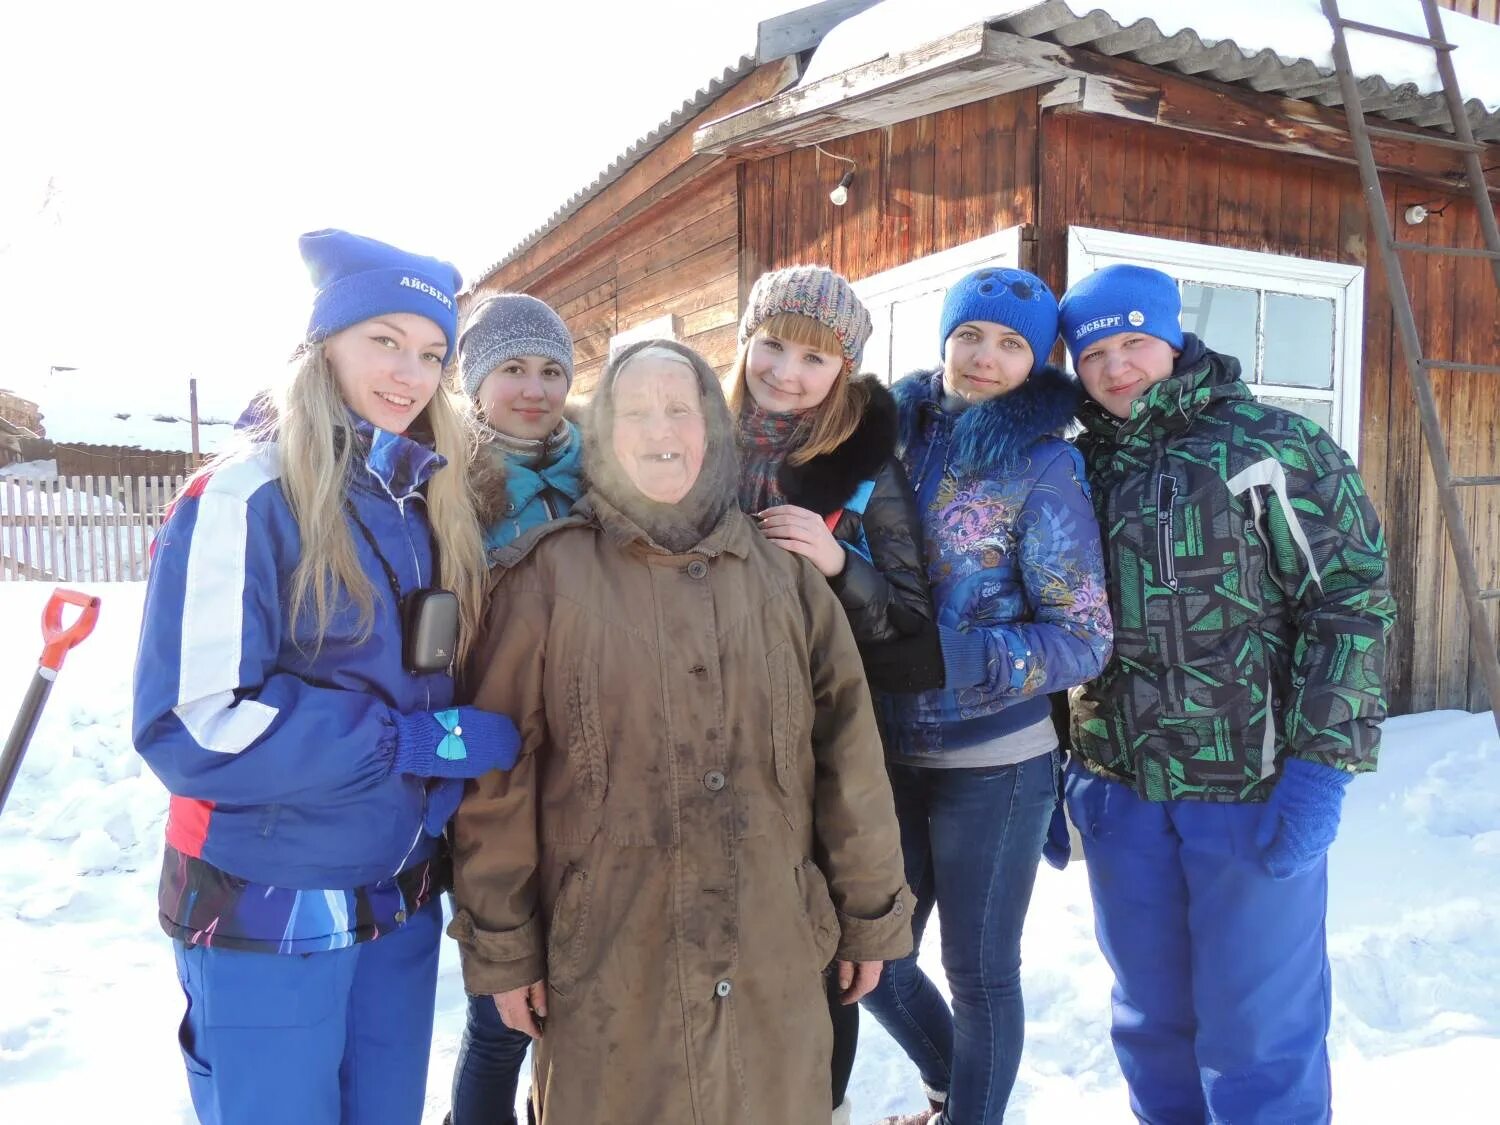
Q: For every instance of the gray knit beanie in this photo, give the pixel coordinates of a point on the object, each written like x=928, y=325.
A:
x=508, y=325
x=816, y=293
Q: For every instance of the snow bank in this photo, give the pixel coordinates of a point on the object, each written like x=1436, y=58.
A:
x=91, y=1004
x=1292, y=29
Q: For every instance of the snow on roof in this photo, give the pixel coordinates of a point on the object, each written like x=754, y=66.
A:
x=1291, y=30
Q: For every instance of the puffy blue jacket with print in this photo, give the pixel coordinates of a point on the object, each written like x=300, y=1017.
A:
x=278, y=746
x=1014, y=557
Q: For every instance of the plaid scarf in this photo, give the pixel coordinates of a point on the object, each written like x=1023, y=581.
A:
x=766, y=440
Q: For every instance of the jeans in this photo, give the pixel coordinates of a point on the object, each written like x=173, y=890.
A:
x=315, y=1038
x=489, y=1067
x=1222, y=987
x=971, y=840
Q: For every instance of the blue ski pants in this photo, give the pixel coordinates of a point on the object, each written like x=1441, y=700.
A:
x=1222, y=987
x=339, y=1037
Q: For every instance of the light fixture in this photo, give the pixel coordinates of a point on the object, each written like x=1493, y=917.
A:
x=840, y=194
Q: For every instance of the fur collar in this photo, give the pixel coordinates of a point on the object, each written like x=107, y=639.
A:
x=825, y=484
x=987, y=437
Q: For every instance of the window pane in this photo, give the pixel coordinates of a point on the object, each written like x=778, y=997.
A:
x=877, y=358
x=914, y=333
x=1319, y=410
x=1299, y=341
x=1224, y=319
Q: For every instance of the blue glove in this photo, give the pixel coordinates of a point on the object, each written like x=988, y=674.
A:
x=1301, y=817
x=460, y=742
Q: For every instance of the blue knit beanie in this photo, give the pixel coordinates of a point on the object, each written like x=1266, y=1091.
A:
x=1121, y=298
x=1019, y=300
x=358, y=277
x=508, y=325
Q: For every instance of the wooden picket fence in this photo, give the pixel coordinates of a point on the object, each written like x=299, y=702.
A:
x=80, y=529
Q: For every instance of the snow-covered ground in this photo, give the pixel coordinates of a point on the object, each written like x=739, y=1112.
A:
x=90, y=1001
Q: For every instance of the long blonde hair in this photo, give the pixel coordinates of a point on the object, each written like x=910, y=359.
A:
x=834, y=420
x=316, y=468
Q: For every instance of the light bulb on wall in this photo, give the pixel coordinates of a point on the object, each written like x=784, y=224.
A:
x=840, y=195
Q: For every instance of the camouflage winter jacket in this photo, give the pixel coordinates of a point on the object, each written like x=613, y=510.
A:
x=1247, y=578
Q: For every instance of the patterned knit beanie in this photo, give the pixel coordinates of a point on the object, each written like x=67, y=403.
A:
x=1019, y=300
x=1121, y=298
x=508, y=325
x=816, y=293
x=358, y=278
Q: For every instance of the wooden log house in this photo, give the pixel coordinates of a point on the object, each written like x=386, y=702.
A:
x=1062, y=140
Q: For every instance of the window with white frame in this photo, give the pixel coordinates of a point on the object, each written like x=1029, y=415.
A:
x=906, y=303
x=1296, y=325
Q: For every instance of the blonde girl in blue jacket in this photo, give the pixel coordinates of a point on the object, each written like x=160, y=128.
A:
x=293, y=693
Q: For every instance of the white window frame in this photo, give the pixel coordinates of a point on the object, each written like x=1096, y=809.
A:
x=1090, y=249
x=934, y=271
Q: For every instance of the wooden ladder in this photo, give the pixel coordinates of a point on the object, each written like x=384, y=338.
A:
x=1418, y=364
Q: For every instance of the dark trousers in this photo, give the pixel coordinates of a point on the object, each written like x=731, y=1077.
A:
x=971, y=839
x=845, y=1018
x=490, y=1057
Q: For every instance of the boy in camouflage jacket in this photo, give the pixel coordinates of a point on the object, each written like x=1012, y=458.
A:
x=1247, y=583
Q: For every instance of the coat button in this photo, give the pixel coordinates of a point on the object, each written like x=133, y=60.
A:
x=697, y=569
x=1020, y=663
x=713, y=781
x=400, y=917
x=723, y=989
x=899, y=909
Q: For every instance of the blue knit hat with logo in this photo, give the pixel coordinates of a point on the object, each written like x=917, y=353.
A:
x=508, y=325
x=1121, y=298
x=1019, y=300
x=357, y=278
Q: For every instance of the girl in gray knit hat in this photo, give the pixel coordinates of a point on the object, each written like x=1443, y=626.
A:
x=515, y=356
x=516, y=360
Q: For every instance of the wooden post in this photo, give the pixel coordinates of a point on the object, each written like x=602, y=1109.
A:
x=193, y=414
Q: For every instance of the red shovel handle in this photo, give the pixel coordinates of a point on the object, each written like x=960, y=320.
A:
x=58, y=640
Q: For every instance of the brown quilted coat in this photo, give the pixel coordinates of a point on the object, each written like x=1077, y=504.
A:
x=699, y=822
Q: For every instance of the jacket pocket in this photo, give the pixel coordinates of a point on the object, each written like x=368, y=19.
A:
x=817, y=912
x=586, y=750
x=567, y=929
x=783, y=729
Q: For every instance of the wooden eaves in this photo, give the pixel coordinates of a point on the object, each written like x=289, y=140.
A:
x=977, y=62
x=969, y=64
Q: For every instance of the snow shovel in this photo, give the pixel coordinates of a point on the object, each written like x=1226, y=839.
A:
x=56, y=643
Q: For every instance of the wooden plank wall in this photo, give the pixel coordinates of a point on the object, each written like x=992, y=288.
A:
x=1116, y=175
x=677, y=258
x=919, y=187
x=1487, y=10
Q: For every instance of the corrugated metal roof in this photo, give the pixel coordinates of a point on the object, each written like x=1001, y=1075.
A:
x=629, y=158
x=1225, y=61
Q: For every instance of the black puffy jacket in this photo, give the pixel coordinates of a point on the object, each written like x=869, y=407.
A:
x=886, y=599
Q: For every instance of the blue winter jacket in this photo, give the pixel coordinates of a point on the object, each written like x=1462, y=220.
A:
x=1014, y=558
x=278, y=751
x=535, y=494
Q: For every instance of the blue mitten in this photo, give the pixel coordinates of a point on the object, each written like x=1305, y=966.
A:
x=1301, y=817
x=460, y=742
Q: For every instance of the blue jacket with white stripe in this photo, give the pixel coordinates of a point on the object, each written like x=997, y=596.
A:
x=277, y=744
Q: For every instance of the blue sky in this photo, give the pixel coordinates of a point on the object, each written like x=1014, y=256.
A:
x=188, y=145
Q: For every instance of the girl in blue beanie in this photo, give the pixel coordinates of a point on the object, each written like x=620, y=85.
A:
x=515, y=357
x=308, y=595
x=1248, y=578
x=1018, y=585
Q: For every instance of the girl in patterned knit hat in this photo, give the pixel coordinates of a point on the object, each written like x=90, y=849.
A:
x=820, y=475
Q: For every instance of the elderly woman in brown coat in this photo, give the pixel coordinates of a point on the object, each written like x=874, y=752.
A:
x=700, y=822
